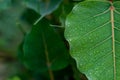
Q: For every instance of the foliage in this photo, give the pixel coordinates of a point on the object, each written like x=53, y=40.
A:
x=32, y=39
x=94, y=52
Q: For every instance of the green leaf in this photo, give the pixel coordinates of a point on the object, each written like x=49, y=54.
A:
x=92, y=30
x=43, y=49
x=66, y=8
x=43, y=7
x=14, y=78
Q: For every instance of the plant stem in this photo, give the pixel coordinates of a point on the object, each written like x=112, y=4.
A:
x=51, y=74
x=47, y=58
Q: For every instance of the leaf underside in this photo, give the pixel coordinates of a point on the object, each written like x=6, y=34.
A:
x=92, y=30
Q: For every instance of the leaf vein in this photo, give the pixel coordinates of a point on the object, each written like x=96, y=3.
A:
x=113, y=39
x=117, y=28
x=103, y=56
x=102, y=13
x=91, y=31
x=97, y=28
x=94, y=16
x=116, y=11
x=98, y=44
x=117, y=41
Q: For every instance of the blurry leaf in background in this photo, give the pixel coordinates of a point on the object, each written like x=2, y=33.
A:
x=43, y=49
x=15, y=78
x=7, y=68
x=9, y=40
x=4, y=4
x=9, y=28
x=43, y=7
x=29, y=16
x=66, y=8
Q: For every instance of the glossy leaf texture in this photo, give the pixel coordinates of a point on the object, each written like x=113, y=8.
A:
x=43, y=7
x=92, y=30
x=43, y=49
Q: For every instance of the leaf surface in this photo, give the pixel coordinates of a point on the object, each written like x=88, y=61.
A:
x=43, y=7
x=43, y=49
x=92, y=30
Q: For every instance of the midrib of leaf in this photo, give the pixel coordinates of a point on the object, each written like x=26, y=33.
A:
x=47, y=58
x=113, y=39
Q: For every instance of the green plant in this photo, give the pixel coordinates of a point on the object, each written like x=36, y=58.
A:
x=94, y=38
x=91, y=28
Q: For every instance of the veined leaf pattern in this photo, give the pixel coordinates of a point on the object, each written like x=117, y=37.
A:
x=92, y=30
